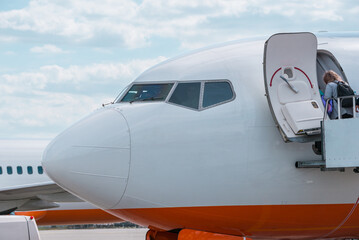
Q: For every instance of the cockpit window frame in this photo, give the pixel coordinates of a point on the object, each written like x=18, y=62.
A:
x=174, y=86
x=179, y=105
x=201, y=108
x=122, y=93
x=125, y=90
x=220, y=103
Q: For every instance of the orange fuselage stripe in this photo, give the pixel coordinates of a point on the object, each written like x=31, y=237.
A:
x=265, y=221
x=67, y=217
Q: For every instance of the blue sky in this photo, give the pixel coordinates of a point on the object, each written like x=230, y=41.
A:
x=61, y=59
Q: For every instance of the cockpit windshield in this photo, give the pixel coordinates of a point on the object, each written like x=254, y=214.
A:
x=147, y=92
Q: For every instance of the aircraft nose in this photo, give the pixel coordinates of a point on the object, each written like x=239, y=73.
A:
x=91, y=158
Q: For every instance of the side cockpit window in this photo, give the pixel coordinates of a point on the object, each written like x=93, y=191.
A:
x=216, y=93
x=147, y=92
x=202, y=94
x=187, y=94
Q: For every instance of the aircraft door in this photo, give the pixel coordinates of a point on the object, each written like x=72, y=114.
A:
x=290, y=77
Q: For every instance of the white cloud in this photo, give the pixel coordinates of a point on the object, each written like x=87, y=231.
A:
x=354, y=10
x=135, y=23
x=47, y=48
x=28, y=102
x=44, y=114
x=8, y=39
x=329, y=10
x=9, y=53
x=76, y=75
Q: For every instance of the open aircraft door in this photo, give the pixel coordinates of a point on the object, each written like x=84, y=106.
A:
x=291, y=86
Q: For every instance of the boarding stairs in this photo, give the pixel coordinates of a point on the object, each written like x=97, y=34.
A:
x=340, y=149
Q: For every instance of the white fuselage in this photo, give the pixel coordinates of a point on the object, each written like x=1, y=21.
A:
x=18, y=158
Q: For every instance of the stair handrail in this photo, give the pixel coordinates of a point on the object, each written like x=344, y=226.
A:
x=340, y=99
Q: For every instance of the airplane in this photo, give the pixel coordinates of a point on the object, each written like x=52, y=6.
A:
x=26, y=189
x=217, y=144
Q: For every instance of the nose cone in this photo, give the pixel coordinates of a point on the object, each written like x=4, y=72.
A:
x=91, y=158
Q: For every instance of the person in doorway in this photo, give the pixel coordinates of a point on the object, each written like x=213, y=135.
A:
x=332, y=80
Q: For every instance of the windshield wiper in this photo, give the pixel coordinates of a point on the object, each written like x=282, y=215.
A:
x=146, y=99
